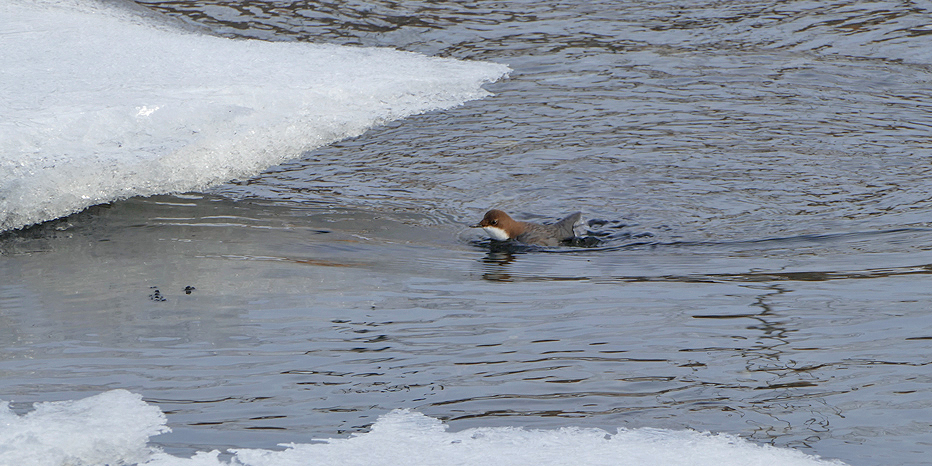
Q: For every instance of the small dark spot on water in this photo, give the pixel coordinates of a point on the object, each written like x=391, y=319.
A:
x=693, y=364
x=801, y=384
x=156, y=295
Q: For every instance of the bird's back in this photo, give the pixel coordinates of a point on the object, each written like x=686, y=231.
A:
x=550, y=235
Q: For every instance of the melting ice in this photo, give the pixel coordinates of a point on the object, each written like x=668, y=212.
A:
x=98, y=103
x=113, y=428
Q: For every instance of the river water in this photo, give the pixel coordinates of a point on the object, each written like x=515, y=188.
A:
x=756, y=174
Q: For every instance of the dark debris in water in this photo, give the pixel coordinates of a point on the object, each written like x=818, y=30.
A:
x=156, y=295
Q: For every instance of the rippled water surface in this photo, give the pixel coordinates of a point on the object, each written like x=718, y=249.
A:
x=757, y=174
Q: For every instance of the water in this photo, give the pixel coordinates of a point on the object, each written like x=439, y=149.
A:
x=760, y=171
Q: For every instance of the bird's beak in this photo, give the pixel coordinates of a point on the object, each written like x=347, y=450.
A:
x=475, y=226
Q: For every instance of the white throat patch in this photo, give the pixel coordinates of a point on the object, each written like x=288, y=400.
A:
x=496, y=233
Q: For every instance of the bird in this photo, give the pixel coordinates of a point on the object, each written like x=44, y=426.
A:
x=502, y=227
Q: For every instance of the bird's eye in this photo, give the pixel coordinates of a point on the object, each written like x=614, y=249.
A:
x=494, y=222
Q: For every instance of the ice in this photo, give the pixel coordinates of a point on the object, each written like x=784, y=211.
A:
x=99, y=103
x=113, y=427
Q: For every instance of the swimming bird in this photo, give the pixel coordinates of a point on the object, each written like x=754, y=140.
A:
x=501, y=227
